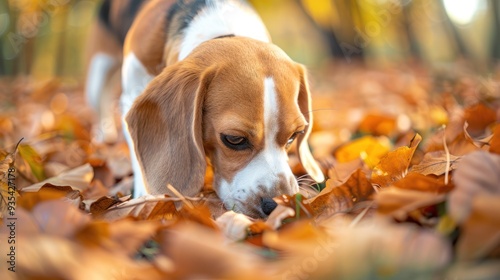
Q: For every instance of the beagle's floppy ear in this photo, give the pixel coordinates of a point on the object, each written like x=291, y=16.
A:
x=165, y=124
x=305, y=156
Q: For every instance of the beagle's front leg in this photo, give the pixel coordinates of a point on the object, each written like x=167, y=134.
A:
x=135, y=78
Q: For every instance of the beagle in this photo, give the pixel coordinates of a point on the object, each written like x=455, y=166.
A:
x=202, y=85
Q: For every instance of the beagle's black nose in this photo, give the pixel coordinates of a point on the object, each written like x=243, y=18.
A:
x=268, y=205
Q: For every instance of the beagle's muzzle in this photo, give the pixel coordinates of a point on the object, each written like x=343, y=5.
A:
x=203, y=85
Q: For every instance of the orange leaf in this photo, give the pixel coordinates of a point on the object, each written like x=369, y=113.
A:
x=334, y=199
x=495, y=140
x=378, y=124
x=394, y=165
x=479, y=117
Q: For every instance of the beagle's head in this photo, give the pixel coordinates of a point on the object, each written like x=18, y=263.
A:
x=238, y=102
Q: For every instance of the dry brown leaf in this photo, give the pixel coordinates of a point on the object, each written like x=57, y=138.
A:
x=477, y=174
x=436, y=163
x=59, y=218
x=340, y=172
x=398, y=203
x=394, y=165
x=373, y=249
x=480, y=232
x=335, y=199
x=28, y=200
x=478, y=142
x=102, y=204
x=426, y=183
x=123, y=237
x=198, y=251
x=49, y=257
x=78, y=178
x=144, y=208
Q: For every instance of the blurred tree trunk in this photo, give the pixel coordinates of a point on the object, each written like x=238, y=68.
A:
x=340, y=39
x=457, y=38
x=327, y=33
x=495, y=51
x=410, y=34
x=62, y=45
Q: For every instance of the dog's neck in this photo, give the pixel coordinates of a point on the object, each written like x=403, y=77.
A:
x=208, y=20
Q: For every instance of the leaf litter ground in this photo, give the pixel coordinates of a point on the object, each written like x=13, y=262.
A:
x=413, y=190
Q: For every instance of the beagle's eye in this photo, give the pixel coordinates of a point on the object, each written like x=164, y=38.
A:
x=292, y=138
x=237, y=143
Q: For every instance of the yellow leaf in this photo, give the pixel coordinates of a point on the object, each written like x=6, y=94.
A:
x=34, y=161
x=370, y=149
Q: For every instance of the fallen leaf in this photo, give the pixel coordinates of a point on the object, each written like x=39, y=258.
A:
x=477, y=174
x=479, y=117
x=338, y=173
x=401, y=251
x=78, y=178
x=123, y=237
x=480, y=232
x=426, y=183
x=394, y=165
x=335, y=199
x=28, y=200
x=50, y=257
x=370, y=149
x=193, y=249
x=33, y=159
x=378, y=124
x=143, y=208
x=398, y=203
x=436, y=163
x=59, y=218
x=295, y=237
x=495, y=140
x=478, y=142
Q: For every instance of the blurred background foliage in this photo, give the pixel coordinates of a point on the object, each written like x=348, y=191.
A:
x=47, y=38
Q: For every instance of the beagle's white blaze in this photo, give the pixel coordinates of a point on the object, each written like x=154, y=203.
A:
x=266, y=168
x=220, y=18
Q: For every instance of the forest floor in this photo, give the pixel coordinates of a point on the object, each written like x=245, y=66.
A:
x=412, y=157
